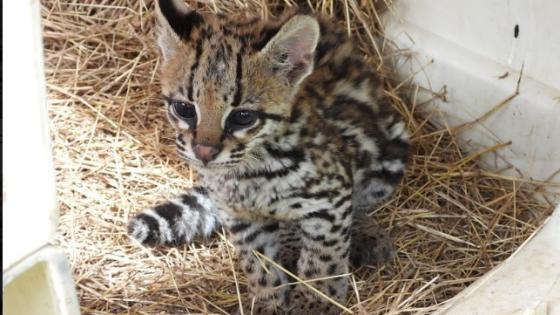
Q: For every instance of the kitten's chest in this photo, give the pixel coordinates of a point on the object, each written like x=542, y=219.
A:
x=263, y=194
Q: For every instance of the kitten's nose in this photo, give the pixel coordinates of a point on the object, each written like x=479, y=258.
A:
x=205, y=153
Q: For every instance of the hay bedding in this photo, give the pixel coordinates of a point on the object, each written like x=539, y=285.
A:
x=114, y=156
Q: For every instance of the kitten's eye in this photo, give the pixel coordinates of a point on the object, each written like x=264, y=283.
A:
x=184, y=110
x=242, y=118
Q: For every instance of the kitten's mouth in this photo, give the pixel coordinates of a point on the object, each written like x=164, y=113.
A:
x=214, y=165
x=210, y=165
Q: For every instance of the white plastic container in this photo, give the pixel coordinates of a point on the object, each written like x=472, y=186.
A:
x=472, y=53
x=36, y=276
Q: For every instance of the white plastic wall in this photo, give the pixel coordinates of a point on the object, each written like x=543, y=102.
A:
x=474, y=51
x=36, y=278
x=528, y=283
x=28, y=201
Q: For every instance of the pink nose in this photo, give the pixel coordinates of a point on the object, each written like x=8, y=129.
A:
x=205, y=153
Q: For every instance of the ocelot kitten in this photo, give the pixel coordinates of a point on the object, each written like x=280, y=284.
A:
x=293, y=140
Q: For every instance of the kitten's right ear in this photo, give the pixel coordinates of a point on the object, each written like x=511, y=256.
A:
x=176, y=21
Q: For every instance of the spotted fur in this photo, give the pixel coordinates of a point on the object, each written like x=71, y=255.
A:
x=293, y=140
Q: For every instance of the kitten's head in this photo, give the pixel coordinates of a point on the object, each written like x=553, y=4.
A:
x=229, y=83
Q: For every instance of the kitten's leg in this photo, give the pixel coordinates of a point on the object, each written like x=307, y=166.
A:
x=262, y=277
x=176, y=221
x=325, y=254
x=290, y=245
x=376, y=173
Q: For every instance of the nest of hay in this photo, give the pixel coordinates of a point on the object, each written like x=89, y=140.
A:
x=114, y=156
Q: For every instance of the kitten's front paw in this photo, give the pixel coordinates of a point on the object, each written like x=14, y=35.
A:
x=176, y=221
x=144, y=229
x=307, y=304
x=258, y=308
x=371, y=246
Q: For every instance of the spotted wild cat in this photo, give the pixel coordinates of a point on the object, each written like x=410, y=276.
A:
x=293, y=140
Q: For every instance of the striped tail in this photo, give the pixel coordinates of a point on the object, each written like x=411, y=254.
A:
x=176, y=221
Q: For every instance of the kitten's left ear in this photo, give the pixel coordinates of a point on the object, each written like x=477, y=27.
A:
x=291, y=51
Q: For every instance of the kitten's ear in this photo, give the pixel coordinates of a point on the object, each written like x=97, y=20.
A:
x=292, y=49
x=176, y=21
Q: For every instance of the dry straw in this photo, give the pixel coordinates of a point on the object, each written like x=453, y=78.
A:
x=114, y=156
